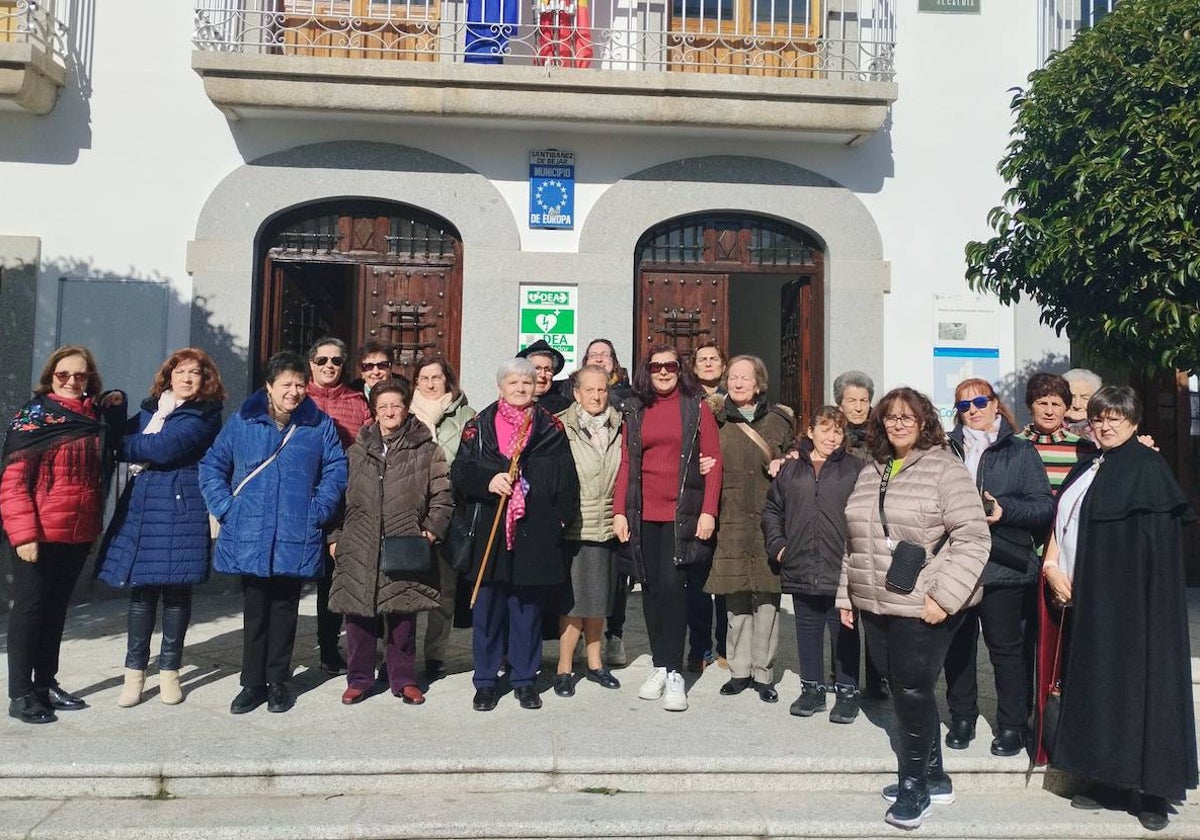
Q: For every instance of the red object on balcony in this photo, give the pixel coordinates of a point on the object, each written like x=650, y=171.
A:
x=564, y=33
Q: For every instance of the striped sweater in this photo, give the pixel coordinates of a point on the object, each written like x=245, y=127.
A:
x=1060, y=451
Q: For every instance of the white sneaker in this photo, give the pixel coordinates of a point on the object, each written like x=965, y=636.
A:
x=674, y=696
x=652, y=688
x=614, y=652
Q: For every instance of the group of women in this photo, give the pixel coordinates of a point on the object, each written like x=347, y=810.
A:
x=871, y=519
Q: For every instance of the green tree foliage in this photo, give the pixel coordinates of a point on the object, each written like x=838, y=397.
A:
x=1100, y=224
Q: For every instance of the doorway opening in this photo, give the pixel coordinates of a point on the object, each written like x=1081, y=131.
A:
x=752, y=284
x=358, y=270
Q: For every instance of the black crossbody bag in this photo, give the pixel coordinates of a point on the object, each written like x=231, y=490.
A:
x=908, y=558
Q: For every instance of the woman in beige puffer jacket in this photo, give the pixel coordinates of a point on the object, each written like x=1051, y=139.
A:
x=931, y=501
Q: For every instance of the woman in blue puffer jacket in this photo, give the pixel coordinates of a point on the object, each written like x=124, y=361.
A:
x=157, y=544
x=273, y=479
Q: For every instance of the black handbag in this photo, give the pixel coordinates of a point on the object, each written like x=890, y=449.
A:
x=1012, y=548
x=908, y=558
x=459, y=545
x=405, y=556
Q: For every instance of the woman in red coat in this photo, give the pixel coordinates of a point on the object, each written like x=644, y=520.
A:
x=350, y=414
x=56, y=455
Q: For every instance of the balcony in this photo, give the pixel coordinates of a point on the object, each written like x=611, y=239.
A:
x=1059, y=21
x=32, y=47
x=822, y=67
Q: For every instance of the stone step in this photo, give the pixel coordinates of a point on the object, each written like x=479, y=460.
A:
x=1014, y=814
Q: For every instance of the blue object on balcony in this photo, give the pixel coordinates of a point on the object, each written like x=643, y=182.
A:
x=490, y=23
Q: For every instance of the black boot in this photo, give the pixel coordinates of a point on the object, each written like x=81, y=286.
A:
x=961, y=734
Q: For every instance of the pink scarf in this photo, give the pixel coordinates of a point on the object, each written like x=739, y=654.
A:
x=509, y=420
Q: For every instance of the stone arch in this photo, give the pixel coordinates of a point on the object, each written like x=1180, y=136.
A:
x=856, y=274
x=221, y=258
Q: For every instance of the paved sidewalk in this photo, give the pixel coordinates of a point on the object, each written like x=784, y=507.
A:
x=600, y=740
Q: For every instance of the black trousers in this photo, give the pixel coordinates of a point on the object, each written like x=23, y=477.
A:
x=1001, y=614
x=329, y=624
x=911, y=654
x=815, y=613
x=177, y=614
x=616, y=619
x=269, y=628
x=665, y=594
x=41, y=595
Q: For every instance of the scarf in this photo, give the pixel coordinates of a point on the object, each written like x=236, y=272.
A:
x=430, y=412
x=167, y=402
x=595, y=427
x=47, y=423
x=975, y=442
x=510, y=421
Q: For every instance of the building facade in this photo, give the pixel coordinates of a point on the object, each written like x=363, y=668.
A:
x=792, y=178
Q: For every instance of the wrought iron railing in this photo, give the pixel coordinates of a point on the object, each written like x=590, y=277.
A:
x=1061, y=20
x=34, y=22
x=843, y=39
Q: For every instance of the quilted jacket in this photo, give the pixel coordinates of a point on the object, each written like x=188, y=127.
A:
x=274, y=525
x=159, y=534
x=398, y=493
x=932, y=495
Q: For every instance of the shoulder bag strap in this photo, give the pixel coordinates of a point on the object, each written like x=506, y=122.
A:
x=757, y=438
x=291, y=430
x=883, y=485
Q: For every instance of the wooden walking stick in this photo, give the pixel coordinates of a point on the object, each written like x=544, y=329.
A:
x=513, y=468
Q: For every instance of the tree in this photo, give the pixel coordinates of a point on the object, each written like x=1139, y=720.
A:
x=1100, y=223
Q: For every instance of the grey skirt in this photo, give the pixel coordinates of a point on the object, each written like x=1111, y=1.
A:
x=593, y=579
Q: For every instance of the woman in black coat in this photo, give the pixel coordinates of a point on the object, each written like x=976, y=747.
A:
x=528, y=556
x=1115, y=567
x=804, y=525
x=1018, y=505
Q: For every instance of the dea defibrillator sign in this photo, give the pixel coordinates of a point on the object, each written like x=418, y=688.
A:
x=552, y=189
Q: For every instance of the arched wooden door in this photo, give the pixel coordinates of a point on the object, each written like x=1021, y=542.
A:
x=360, y=270
x=751, y=284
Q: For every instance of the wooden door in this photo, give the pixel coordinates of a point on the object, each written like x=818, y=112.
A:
x=413, y=308
x=407, y=31
x=745, y=37
x=682, y=309
x=801, y=352
x=303, y=302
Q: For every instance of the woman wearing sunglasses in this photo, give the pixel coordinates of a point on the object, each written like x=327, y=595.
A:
x=665, y=510
x=375, y=362
x=1018, y=505
x=56, y=458
x=350, y=414
x=913, y=500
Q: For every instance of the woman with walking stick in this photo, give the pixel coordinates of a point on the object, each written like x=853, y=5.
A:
x=515, y=462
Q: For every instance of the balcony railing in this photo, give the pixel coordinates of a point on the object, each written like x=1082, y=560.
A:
x=852, y=40
x=34, y=22
x=1061, y=20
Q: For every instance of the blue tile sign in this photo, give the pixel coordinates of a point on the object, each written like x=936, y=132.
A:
x=552, y=189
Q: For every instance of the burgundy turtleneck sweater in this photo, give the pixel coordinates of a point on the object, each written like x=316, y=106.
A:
x=662, y=432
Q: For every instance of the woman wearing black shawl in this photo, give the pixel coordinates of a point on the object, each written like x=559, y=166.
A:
x=57, y=456
x=1114, y=581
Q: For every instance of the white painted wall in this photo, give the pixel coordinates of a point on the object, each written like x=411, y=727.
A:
x=113, y=181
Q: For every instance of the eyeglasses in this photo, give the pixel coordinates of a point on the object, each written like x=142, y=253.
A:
x=669, y=367
x=604, y=355
x=902, y=421
x=336, y=361
x=544, y=369
x=964, y=406
x=1110, y=422
x=427, y=379
x=363, y=366
x=63, y=377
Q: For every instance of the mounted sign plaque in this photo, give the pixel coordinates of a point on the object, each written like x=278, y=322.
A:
x=547, y=313
x=552, y=189
x=958, y=7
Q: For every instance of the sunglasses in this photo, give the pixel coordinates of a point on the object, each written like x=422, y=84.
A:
x=336, y=361
x=669, y=367
x=63, y=377
x=964, y=406
x=364, y=366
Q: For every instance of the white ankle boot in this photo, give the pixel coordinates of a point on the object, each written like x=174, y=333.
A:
x=131, y=692
x=168, y=688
